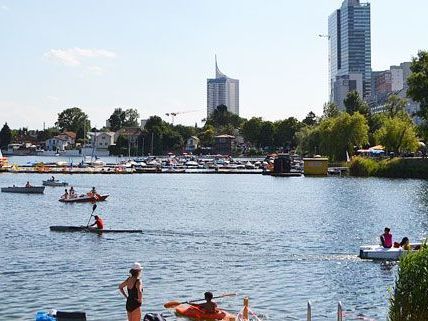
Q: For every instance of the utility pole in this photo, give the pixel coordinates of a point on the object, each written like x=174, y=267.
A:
x=152, y=145
x=142, y=149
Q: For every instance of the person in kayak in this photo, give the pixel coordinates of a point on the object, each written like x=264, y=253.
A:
x=209, y=306
x=134, y=293
x=98, y=222
x=386, y=238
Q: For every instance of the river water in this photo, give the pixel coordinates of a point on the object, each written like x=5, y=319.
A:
x=281, y=241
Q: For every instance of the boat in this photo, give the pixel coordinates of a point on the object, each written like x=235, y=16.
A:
x=24, y=190
x=195, y=312
x=85, y=198
x=377, y=252
x=56, y=182
x=86, y=229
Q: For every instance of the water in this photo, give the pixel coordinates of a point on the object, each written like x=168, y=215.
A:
x=281, y=241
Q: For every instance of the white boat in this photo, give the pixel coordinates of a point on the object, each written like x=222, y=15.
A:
x=377, y=252
x=56, y=182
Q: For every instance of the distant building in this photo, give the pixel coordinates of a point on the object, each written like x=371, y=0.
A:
x=222, y=90
x=133, y=135
x=349, y=50
x=101, y=140
x=143, y=123
x=61, y=142
x=192, y=143
x=223, y=144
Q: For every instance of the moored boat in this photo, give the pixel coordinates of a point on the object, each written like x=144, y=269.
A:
x=86, y=229
x=24, y=190
x=377, y=252
x=54, y=183
x=85, y=198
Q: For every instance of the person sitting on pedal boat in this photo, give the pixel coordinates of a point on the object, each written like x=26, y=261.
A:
x=405, y=244
x=386, y=238
x=209, y=306
x=65, y=196
x=98, y=222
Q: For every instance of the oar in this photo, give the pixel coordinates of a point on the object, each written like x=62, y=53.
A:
x=173, y=304
x=93, y=210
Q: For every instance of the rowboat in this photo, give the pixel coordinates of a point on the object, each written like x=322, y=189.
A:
x=24, y=190
x=54, y=183
x=377, y=252
x=88, y=229
x=84, y=199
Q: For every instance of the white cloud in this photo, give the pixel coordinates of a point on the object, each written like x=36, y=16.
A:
x=77, y=56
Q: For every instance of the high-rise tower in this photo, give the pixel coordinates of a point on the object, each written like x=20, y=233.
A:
x=222, y=90
x=349, y=51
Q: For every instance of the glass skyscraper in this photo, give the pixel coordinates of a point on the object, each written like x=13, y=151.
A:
x=222, y=90
x=349, y=50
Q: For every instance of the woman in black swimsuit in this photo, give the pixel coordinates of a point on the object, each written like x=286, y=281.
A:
x=134, y=293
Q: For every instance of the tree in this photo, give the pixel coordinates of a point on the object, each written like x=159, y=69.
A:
x=418, y=82
x=397, y=134
x=75, y=120
x=207, y=135
x=47, y=133
x=285, y=132
x=123, y=118
x=409, y=300
x=266, y=134
x=330, y=110
x=221, y=117
x=5, y=136
x=395, y=105
x=310, y=119
x=251, y=130
x=354, y=103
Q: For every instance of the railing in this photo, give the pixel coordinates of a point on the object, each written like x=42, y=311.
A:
x=340, y=314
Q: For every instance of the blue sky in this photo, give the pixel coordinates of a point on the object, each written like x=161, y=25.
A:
x=156, y=55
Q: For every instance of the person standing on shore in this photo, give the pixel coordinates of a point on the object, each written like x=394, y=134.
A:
x=386, y=238
x=134, y=293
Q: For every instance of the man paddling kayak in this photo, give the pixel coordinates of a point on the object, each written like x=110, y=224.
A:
x=98, y=222
x=209, y=306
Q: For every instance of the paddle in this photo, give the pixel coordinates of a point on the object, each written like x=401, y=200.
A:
x=93, y=210
x=173, y=304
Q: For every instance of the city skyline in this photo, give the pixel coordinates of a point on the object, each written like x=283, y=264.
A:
x=156, y=57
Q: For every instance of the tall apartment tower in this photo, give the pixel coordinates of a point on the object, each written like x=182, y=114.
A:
x=222, y=90
x=349, y=51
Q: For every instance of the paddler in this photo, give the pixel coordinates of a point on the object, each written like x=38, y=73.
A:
x=209, y=306
x=386, y=238
x=98, y=222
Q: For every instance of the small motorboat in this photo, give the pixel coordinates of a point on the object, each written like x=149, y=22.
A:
x=377, y=252
x=85, y=198
x=24, y=190
x=88, y=229
x=55, y=182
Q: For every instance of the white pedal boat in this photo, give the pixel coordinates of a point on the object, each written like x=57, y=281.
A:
x=377, y=252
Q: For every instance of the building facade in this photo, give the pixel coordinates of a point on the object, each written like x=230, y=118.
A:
x=349, y=49
x=222, y=90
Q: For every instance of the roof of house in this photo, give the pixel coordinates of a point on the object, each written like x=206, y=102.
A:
x=72, y=135
x=225, y=136
x=129, y=131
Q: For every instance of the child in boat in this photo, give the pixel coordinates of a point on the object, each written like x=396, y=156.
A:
x=386, y=238
x=209, y=306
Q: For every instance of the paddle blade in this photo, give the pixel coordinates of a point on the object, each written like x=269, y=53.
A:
x=94, y=207
x=172, y=304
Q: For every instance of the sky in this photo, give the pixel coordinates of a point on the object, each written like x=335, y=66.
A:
x=156, y=55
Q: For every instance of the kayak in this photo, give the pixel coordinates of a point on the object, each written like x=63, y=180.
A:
x=377, y=252
x=24, y=190
x=194, y=312
x=86, y=229
x=84, y=199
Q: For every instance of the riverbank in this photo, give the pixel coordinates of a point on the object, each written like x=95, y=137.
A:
x=390, y=168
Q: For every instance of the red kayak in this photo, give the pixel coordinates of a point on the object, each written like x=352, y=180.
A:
x=194, y=312
x=85, y=199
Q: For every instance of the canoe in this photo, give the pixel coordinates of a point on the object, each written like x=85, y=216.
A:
x=377, y=252
x=84, y=199
x=24, y=190
x=54, y=183
x=199, y=314
x=86, y=229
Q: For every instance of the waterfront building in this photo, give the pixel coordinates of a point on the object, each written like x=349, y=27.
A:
x=222, y=90
x=192, y=143
x=132, y=134
x=223, y=144
x=349, y=50
x=101, y=140
x=61, y=142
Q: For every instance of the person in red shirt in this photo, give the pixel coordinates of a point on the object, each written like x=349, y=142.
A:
x=98, y=222
x=386, y=238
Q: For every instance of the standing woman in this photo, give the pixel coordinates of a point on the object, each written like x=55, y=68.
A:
x=134, y=293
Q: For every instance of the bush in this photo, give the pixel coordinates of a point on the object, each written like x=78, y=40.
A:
x=361, y=166
x=409, y=301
